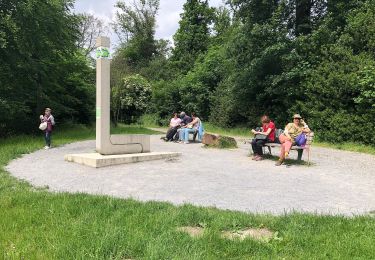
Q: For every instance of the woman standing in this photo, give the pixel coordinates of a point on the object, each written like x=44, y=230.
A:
x=50, y=120
x=287, y=139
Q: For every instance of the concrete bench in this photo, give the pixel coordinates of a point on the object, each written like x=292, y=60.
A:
x=299, y=149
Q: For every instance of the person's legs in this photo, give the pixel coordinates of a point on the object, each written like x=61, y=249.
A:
x=259, y=147
x=282, y=139
x=168, y=134
x=287, y=144
x=284, y=148
x=254, y=146
x=180, y=133
x=187, y=132
x=171, y=133
x=48, y=138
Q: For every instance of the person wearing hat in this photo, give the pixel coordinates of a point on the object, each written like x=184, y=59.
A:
x=48, y=117
x=292, y=130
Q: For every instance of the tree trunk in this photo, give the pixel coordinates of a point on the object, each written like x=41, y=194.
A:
x=303, y=17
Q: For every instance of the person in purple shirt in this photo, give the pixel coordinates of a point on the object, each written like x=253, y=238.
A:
x=185, y=120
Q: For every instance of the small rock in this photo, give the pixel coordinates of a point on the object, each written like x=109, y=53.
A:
x=255, y=233
x=192, y=231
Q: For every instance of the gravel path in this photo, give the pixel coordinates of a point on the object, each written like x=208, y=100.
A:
x=339, y=183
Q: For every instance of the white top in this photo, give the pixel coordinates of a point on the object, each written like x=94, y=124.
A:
x=175, y=122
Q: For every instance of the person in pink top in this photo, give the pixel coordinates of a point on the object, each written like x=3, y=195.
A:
x=174, y=124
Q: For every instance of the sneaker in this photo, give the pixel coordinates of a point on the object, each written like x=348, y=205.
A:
x=254, y=157
x=46, y=147
x=258, y=158
x=279, y=162
x=186, y=142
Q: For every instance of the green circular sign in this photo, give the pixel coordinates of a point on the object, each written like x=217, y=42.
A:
x=102, y=53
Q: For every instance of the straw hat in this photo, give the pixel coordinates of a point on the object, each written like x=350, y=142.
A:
x=297, y=116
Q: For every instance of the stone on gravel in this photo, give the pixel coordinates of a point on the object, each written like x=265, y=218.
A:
x=218, y=141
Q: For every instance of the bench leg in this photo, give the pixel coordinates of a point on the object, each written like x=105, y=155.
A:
x=195, y=136
x=300, y=152
x=308, y=156
x=269, y=150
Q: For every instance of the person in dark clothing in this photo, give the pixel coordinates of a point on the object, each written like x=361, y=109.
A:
x=185, y=120
x=268, y=136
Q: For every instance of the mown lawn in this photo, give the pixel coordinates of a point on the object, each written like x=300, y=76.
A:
x=37, y=224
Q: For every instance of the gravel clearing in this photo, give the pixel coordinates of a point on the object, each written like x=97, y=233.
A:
x=339, y=182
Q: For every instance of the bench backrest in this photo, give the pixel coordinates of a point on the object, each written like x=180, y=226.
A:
x=309, y=136
x=278, y=132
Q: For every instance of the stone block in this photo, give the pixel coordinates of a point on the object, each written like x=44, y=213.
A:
x=97, y=160
x=210, y=139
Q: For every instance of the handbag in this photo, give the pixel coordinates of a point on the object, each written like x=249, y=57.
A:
x=260, y=137
x=301, y=139
x=43, y=126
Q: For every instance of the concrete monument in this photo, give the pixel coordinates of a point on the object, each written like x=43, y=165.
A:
x=113, y=149
x=106, y=143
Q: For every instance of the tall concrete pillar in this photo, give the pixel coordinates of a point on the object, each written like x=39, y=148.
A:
x=103, y=92
x=106, y=143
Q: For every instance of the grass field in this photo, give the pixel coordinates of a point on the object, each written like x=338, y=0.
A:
x=37, y=224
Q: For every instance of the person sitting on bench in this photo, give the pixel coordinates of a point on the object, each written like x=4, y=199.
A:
x=174, y=124
x=192, y=127
x=185, y=120
x=287, y=139
x=262, y=137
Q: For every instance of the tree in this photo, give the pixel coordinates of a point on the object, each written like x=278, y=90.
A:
x=303, y=16
x=193, y=36
x=135, y=27
x=254, y=11
x=90, y=28
x=40, y=65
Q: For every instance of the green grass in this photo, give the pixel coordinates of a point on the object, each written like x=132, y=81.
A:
x=37, y=224
x=236, y=132
x=353, y=147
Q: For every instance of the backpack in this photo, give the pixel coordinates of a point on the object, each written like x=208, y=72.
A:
x=278, y=132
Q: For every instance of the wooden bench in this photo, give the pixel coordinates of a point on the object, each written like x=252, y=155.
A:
x=299, y=149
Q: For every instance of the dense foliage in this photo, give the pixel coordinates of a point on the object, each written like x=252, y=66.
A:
x=232, y=64
x=41, y=65
x=229, y=64
x=130, y=98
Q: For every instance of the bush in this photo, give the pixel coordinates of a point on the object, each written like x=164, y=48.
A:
x=130, y=98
